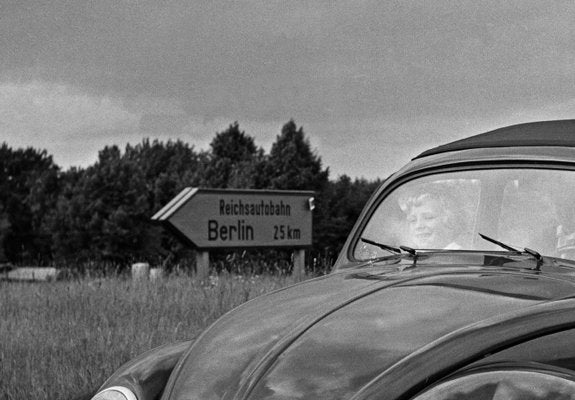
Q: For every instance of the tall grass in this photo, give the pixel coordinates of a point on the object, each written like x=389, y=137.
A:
x=61, y=340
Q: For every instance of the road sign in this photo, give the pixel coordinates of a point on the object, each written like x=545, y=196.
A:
x=229, y=218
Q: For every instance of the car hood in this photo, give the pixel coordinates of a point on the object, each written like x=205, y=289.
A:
x=330, y=336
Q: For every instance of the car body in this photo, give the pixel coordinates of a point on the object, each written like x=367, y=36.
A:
x=457, y=281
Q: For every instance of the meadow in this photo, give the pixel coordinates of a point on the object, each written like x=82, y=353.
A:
x=61, y=340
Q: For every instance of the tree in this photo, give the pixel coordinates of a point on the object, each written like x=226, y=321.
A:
x=235, y=161
x=104, y=211
x=292, y=164
x=167, y=168
x=103, y=215
x=28, y=190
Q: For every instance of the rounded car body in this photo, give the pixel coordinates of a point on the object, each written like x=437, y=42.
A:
x=457, y=281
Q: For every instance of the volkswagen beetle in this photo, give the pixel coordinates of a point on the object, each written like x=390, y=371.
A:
x=457, y=281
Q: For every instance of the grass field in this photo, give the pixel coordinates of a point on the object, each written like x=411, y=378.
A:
x=61, y=340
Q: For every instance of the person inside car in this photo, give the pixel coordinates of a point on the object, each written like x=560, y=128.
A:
x=433, y=220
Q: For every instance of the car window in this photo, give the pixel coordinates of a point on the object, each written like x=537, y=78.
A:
x=503, y=385
x=532, y=208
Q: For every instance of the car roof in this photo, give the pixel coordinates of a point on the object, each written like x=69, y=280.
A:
x=543, y=133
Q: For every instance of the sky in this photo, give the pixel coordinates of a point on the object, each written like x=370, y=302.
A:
x=372, y=83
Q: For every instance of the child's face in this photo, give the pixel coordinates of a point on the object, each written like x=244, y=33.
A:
x=427, y=224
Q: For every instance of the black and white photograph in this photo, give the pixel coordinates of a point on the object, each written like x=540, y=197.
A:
x=287, y=200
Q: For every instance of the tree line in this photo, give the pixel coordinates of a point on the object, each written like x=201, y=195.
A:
x=101, y=214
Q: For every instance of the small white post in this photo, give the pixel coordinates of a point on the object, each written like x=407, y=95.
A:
x=203, y=264
x=156, y=273
x=299, y=264
x=140, y=271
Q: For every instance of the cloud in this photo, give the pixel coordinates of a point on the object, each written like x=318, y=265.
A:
x=74, y=126
x=268, y=60
x=29, y=107
x=358, y=75
x=59, y=119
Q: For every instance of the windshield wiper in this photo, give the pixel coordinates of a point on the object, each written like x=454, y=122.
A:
x=500, y=244
x=390, y=248
x=531, y=252
x=382, y=246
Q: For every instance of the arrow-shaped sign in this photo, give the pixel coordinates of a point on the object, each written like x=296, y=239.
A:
x=222, y=218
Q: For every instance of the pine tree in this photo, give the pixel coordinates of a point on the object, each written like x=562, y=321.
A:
x=234, y=161
x=292, y=165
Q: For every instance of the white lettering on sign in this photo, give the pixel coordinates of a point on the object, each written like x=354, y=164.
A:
x=266, y=208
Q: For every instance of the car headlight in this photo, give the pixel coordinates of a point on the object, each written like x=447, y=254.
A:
x=115, y=393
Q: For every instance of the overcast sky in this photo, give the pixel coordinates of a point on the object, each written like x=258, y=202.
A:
x=373, y=83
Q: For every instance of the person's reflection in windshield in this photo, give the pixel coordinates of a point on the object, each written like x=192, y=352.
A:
x=433, y=220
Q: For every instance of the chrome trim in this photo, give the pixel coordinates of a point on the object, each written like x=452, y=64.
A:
x=127, y=393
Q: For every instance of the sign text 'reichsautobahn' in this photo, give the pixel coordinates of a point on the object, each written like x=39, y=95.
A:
x=266, y=208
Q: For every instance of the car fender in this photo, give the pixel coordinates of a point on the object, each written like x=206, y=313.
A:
x=147, y=374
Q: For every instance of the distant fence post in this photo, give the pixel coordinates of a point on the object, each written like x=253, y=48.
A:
x=203, y=264
x=156, y=273
x=140, y=271
x=299, y=263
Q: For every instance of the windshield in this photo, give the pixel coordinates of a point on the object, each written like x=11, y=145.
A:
x=532, y=208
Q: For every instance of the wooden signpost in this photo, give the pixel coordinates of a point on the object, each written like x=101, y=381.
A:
x=234, y=219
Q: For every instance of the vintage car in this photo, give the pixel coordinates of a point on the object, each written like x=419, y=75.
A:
x=457, y=281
